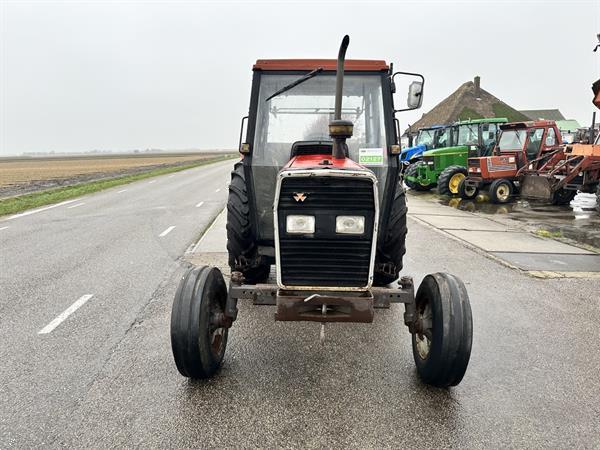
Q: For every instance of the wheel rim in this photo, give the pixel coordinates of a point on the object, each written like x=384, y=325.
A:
x=423, y=337
x=502, y=192
x=455, y=181
x=470, y=191
x=216, y=331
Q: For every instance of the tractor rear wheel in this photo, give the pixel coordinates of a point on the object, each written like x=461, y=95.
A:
x=411, y=171
x=563, y=196
x=198, y=337
x=467, y=192
x=241, y=242
x=501, y=191
x=450, y=179
x=443, y=333
x=388, y=261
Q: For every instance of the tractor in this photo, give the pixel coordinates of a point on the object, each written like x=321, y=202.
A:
x=319, y=196
x=446, y=167
x=519, y=144
x=437, y=136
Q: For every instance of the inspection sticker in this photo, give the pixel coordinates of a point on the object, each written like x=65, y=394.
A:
x=370, y=156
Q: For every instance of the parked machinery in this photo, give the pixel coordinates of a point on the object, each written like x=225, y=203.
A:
x=329, y=212
x=446, y=167
x=520, y=144
x=437, y=136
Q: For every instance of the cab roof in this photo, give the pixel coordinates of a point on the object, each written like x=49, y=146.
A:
x=528, y=124
x=489, y=120
x=359, y=65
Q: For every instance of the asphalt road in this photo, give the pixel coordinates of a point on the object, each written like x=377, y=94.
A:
x=105, y=378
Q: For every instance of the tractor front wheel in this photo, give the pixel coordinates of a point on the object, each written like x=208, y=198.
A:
x=198, y=325
x=563, y=196
x=501, y=191
x=443, y=333
x=450, y=179
x=467, y=192
x=412, y=171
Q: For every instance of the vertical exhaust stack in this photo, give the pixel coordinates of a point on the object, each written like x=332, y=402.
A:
x=340, y=130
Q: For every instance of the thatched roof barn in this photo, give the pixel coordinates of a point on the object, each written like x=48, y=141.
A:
x=469, y=101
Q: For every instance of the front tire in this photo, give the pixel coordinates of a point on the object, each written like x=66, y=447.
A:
x=412, y=172
x=449, y=180
x=442, y=341
x=467, y=192
x=388, y=261
x=501, y=191
x=197, y=340
x=563, y=197
x=241, y=242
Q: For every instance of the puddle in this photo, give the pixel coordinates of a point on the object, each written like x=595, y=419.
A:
x=579, y=221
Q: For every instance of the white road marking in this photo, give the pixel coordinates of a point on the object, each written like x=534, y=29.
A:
x=199, y=204
x=153, y=181
x=170, y=176
x=218, y=190
x=121, y=191
x=33, y=211
x=66, y=313
x=167, y=231
x=75, y=206
x=3, y=228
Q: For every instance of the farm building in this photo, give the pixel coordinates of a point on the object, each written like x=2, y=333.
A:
x=469, y=101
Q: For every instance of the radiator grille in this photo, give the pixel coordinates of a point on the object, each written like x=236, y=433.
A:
x=326, y=258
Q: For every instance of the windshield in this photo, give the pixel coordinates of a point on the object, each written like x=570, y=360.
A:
x=425, y=137
x=511, y=140
x=303, y=113
x=468, y=134
x=442, y=138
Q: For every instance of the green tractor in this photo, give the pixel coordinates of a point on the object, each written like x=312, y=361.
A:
x=446, y=167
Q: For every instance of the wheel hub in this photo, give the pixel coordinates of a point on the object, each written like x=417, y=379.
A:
x=455, y=182
x=423, y=335
x=502, y=192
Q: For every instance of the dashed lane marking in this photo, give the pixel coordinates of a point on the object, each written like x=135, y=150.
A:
x=121, y=191
x=66, y=313
x=75, y=206
x=167, y=231
x=199, y=204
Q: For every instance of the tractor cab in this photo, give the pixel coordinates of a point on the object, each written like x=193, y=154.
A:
x=520, y=144
x=437, y=136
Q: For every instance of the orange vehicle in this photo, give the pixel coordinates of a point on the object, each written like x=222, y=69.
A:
x=519, y=144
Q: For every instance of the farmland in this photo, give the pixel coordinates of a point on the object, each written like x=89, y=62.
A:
x=23, y=175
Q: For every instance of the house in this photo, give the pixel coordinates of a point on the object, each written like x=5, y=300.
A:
x=469, y=101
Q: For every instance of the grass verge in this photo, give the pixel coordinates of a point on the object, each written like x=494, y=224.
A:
x=15, y=205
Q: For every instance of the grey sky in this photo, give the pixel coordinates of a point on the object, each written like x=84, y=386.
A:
x=125, y=75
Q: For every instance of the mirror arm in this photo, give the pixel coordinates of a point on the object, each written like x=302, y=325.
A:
x=422, y=87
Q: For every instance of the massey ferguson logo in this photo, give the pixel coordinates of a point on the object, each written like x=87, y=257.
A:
x=299, y=196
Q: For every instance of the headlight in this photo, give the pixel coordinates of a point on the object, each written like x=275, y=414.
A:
x=350, y=224
x=300, y=224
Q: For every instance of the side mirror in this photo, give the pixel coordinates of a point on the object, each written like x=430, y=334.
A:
x=415, y=89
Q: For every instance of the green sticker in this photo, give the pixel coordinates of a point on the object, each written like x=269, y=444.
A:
x=370, y=156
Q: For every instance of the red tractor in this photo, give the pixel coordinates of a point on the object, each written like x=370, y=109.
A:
x=520, y=144
x=318, y=194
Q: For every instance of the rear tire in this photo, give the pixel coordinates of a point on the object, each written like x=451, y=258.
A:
x=388, y=261
x=450, y=179
x=442, y=347
x=467, y=192
x=198, y=343
x=241, y=242
x=501, y=191
x=412, y=172
x=563, y=197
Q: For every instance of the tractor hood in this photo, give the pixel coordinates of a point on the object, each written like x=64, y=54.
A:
x=410, y=152
x=322, y=162
x=447, y=151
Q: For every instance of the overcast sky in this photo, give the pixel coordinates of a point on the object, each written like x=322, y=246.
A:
x=77, y=76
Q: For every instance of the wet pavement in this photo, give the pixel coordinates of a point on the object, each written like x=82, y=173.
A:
x=579, y=221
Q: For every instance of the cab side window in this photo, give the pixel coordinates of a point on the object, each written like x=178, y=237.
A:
x=488, y=137
x=533, y=142
x=550, y=138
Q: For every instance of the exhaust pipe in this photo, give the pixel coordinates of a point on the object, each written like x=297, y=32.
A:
x=340, y=130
